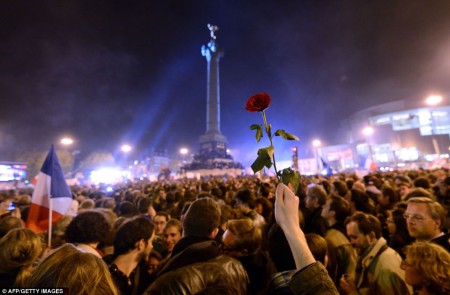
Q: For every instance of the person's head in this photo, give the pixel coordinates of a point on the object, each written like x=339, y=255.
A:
x=388, y=196
x=227, y=213
x=154, y=259
x=135, y=234
x=245, y=199
x=363, y=230
x=402, y=179
x=358, y=185
x=427, y=265
x=425, y=218
x=8, y=223
x=422, y=182
x=88, y=227
x=241, y=238
x=160, y=221
x=318, y=247
x=339, y=188
x=403, y=184
x=202, y=219
x=127, y=209
x=78, y=271
x=86, y=204
x=144, y=204
x=206, y=187
x=360, y=201
x=264, y=207
x=19, y=248
x=404, y=188
x=418, y=192
x=316, y=196
x=172, y=233
x=109, y=204
x=335, y=209
x=396, y=222
x=161, y=193
x=217, y=193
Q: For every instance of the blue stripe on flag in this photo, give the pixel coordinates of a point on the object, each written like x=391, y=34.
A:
x=52, y=168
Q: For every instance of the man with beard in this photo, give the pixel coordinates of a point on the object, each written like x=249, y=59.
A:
x=132, y=245
x=378, y=269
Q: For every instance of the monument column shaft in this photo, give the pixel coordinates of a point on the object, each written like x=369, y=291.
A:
x=213, y=95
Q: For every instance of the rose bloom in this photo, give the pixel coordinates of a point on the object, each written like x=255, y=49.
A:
x=258, y=102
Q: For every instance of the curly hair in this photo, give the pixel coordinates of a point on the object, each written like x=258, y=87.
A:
x=88, y=227
x=433, y=263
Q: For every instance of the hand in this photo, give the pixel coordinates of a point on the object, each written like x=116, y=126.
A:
x=286, y=208
x=348, y=284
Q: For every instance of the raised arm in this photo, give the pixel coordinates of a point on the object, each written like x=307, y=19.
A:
x=286, y=214
x=311, y=276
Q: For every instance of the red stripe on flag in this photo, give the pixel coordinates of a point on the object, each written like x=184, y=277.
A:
x=38, y=218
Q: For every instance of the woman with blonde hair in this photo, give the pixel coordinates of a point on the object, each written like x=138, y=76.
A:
x=427, y=268
x=78, y=271
x=19, y=249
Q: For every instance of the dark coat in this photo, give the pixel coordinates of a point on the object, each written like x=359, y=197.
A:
x=197, y=266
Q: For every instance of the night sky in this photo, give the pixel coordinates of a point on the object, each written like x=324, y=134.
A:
x=109, y=72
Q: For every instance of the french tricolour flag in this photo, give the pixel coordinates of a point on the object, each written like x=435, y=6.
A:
x=51, y=194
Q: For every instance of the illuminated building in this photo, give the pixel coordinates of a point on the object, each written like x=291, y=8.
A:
x=404, y=135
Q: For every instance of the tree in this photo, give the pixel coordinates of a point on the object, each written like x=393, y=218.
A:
x=35, y=159
x=97, y=159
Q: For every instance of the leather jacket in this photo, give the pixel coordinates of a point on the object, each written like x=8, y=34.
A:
x=181, y=275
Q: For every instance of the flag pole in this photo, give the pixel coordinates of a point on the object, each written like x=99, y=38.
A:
x=50, y=223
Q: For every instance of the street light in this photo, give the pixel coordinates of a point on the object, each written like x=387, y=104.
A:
x=368, y=131
x=184, y=151
x=433, y=100
x=126, y=148
x=66, y=141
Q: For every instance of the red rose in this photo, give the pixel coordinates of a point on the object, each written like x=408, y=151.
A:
x=258, y=102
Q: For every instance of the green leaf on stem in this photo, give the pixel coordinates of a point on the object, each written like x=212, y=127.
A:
x=269, y=130
x=264, y=159
x=259, y=132
x=285, y=135
x=291, y=176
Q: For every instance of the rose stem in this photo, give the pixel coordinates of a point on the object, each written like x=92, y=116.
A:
x=269, y=134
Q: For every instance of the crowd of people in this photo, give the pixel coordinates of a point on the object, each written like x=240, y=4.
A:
x=384, y=233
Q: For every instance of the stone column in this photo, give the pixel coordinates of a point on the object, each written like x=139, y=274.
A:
x=212, y=140
x=212, y=54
